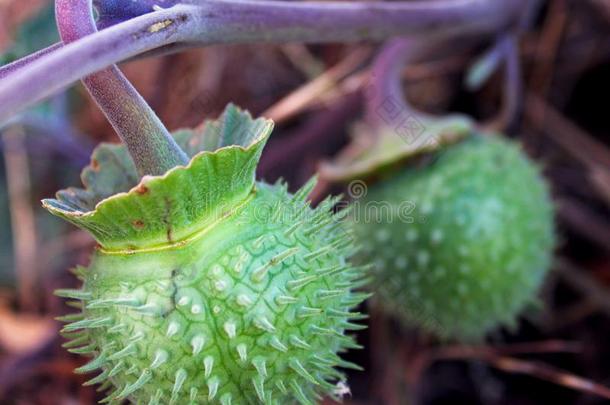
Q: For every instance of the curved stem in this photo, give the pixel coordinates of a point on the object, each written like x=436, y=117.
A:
x=384, y=94
x=206, y=22
x=513, y=85
x=13, y=67
x=151, y=146
x=385, y=97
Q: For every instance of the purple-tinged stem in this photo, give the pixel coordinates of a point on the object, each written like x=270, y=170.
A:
x=385, y=91
x=236, y=21
x=27, y=60
x=513, y=85
x=150, y=145
x=385, y=94
x=53, y=72
x=111, y=12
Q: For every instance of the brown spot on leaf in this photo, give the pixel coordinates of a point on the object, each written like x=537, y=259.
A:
x=167, y=219
x=95, y=165
x=139, y=224
x=142, y=189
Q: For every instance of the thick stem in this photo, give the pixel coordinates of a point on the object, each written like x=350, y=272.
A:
x=13, y=67
x=151, y=146
x=240, y=21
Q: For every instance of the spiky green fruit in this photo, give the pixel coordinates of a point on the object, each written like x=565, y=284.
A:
x=461, y=240
x=208, y=287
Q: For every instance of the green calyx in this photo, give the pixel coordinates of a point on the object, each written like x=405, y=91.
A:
x=393, y=145
x=124, y=214
x=461, y=240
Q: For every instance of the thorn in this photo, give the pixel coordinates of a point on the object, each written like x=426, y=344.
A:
x=112, y=302
x=156, y=399
x=349, y=365
x=104, y=387
x=92, y=365
x=258, y=243
x=331, y=271
x=161, y=356
x=352, y=326
x=348, y=342
x=293, y=228
x=355, y=299
x=285, y=300
x=74, y=294
x=264, y=324
x=213, y=384
x=193, y=395
x=305, y=312
x=259, y=274
x=277, y=344
x=226, y=399
x=70, y=318
x=260, y=365
x=244, y=300
x=303, y=192
x=117, y=328
x=90, y=348
x=297, y=284
x=280, y=385
x=230, y=329
x=150, y=309
x=336, y=313
x=297, y=342
x=112, y=397
x=330, y=294
x=325, y=331
x=74, y=335
x=317, y=253
x=300, y=370
x=242, y=351
x=139, y=383
x=197, y=344
x=79, y=271
x=75, y=304
x=88, y=324
x=196, y=309
x=96, y=380
x=181, y=376
x=208, y=364
x=76, y=342
x=172, y=329
x=126, y=351
x=258, y=384
x=241, y=262
x=299, y=394
x=321, y=223
x=120, y=366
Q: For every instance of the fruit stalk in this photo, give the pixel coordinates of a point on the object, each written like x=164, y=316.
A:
x=150, y=145
x=210, y=22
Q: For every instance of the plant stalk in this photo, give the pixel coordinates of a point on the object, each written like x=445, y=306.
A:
x=207, y=22
x=151, y=146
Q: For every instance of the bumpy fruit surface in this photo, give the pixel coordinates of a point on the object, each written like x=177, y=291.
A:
x=462, y=240
x=207, y=287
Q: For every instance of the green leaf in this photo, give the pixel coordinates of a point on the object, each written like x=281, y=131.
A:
x=375, y=150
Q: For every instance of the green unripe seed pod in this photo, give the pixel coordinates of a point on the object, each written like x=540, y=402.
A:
x=461, y=240
x=208, y=287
